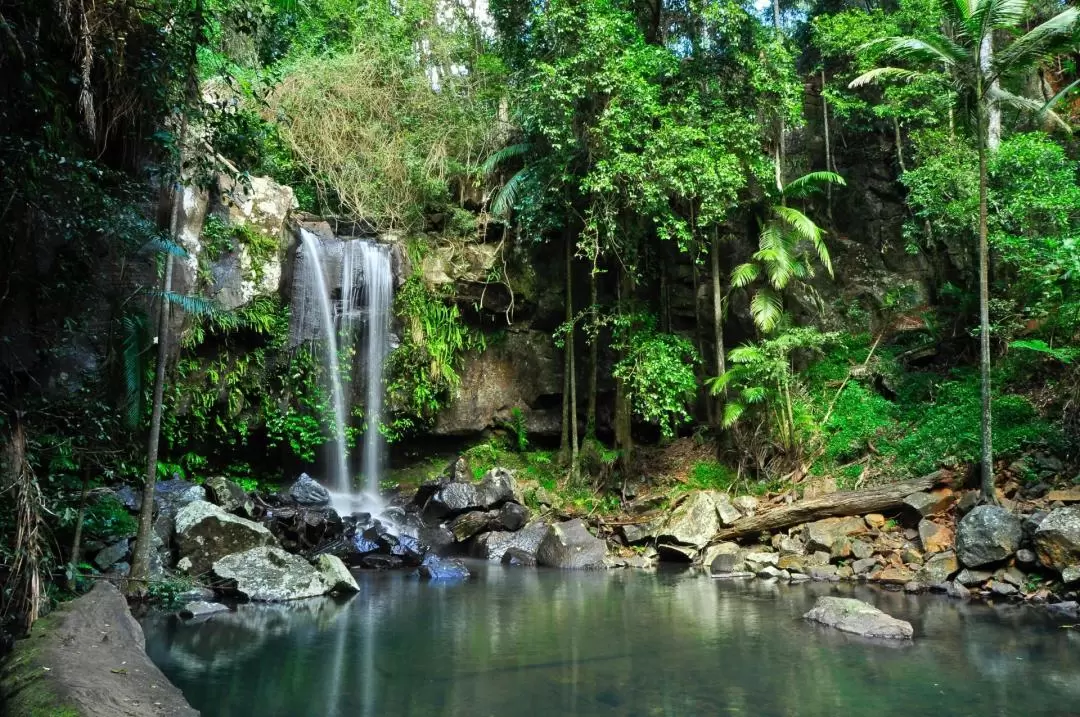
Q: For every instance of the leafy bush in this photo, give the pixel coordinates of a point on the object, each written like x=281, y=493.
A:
x=709, y=475
x=108, y=518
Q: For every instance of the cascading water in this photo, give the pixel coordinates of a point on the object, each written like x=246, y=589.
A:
x=366, y=295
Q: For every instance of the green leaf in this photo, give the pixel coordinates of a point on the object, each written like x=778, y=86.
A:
x=766, y=310
x=745, y=274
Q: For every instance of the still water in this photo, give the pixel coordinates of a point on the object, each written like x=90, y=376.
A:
x=516, y=642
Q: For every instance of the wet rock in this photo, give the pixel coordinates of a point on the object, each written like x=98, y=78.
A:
x=956, y=589
x=935, y=538
x=724, y=563
x=864, y=565
x=895, y=576
x=693, y=522
x=1002, y=589
x=205, y=533
x=335, y=574
x=308, y=492
x=516, y=557
x=378, y=561
x=795, y=563
x=987, y=534
x=1012, y=576
x=303, y=528
x=111, y=554
x=911, y=556
x=492, y=546
x=1057, y=539
x=673, y=552
x=858, y=618
x=512, y=516
x=438, y=569
x=1068, y=608
x=438, y=538
x=229, y=496
x=468, y=524
x=821, y=534
x=938, y=569
x=825, y=573
x=768, y=573
x=569, y=545
x=199, y=608
x=914, y=587
x=968, y=577
x=931, y=503
x=495, y=488
x=268, y=574
x=757, y=560
x=169, y=495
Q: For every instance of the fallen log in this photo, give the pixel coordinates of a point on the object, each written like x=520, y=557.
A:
x=843, y=503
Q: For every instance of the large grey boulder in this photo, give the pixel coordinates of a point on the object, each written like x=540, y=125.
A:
x=469, y=524
x=858, y=618
x=205, y=533
x=307, y=491
x=492, y=546
x=232, y=498
x=1057, y=539
x=694, y=522
x=335, y=574
x=454, y=498
x=571, y=546
x=987, y=534
x=268, y=574
x=495, y=488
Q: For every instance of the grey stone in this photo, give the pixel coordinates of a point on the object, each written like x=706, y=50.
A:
x=784, y=575
x=858, y=618
x=307, y=491
x=199, y=608
x=111, y=554
x=569, y=545
x=1012, y=576
x=1025, y=556
x=724, y=563
x=1070, y=574
x=335, y=574
x=968, y=577
x=513, y=516
x=519, y=558
x=1057, y=539
x=674, y=552
x=860, y=549
x=938, y=568
x=493, y=545
x=229, y=496
x=967, y=501
x=987, y=534
x=206, y=533
x=864, y=565
x=495, y=488
x=788, y=545
x=746, y=504
x=768, y=572
x=824, y=573
x=821, y=534
x=725, y=510
x=929, y=503
x=1068, y=608
x=956, y=589
x=269, y=574
x=1003, y=589
x=799, y=577
x=757, y=560
x=693, y=522
x=469, y=524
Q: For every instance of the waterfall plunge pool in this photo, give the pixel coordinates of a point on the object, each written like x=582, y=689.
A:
x=520, y=641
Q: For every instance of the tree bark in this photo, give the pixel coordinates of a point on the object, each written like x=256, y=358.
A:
x=779, y=150
x=828, y=146
x=594, y=352
x=568, y=347
x=993, y=109
x=624, y=441
x=76, y=542
x=987, y=456
x=831, y=506
x=699, y=340
x=899, y=145
x=718, y=319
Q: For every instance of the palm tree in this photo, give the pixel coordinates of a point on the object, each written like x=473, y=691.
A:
x=782, y=253
x=978, y=70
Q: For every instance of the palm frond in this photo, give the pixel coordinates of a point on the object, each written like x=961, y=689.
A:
x=878, y=73
x=932, y=49
x=506, y=197
x=1040, y=109
x=198, y=306
x=747, y=353
x=801, y=224
x=164, y=246
x=745, y=274
x=766, y=309
x=754, y=394
x=812, y=182
x=717, y=384
x=732, y=412
x=1037, y=44
x=990, y=15
x=133, y=339
x=507, y=152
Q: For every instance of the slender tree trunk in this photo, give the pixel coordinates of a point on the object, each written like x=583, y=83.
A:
x=76, y=542
x=699, y=340
x=718, y=319
x=594, y=352
x=987, y=462
x=570, y=411
x=828, y=145
x=624, y=441
x=778, y=152
x=899, y=145
x=564, y=444
x=993, y=109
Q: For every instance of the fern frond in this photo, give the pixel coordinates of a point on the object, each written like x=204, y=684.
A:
x=507, y=152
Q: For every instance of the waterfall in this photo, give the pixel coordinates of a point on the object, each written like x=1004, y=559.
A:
x=366, y=284
x=315, y=274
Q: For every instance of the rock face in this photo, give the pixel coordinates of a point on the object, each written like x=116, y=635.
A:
x=336, y=575
x=231, y=497
x=453, y=498
x=987, y=534
x=267, y=574
x=858, y=618
x=569, y=545
x=492, y=546
x=205, y=533
x=71, y=665
x=1057, y=539
x=694, y=522
x=307, y=491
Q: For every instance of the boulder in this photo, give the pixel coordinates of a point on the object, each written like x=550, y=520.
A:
x=206, y=533
x=269, y=574
x=694, y=522
x=892, y=575
x=169, y=495
x=439, y=569
x=987, y=534
x=725, y=509
x=570, y=545
x=932, y=502
x=111, y=554
x=821, y=534
x=864, y=565
x=935, y=538
x=824, y=573
x=957, y=590
x=1057, y=539
x=968, y=577
x=516, y=557
x=469, y=524
x=495, y=488
x=307, y=491
x=745, y=504
x=492, y=546
x=858, y=618
x=512, y=516
x=938, y=569
x=1070, y=574
x=724, y=557
x=229, y=496
x=757, y=560
x=336, y=575
x=200, y=608
x=1003, y=589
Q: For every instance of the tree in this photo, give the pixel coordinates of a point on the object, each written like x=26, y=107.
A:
x=979, y=72
x=782, y=254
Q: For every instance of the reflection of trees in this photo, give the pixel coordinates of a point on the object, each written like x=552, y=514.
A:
x=521, y=642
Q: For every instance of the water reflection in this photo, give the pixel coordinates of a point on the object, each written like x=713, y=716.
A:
x=524, y=642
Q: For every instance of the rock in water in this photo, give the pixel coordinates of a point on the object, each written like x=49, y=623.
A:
x=200, y=608
x=205, y=533
x=512, y=516
x=570, y=545
x=307, y=491
x=694, y=522
x=1057, y=539
x=468, y=524
x=821, y=534
x=492, y=546
x=858, y=618
x=439, y=569
x=515, y=557
x=987, y=534
x=938, y=569
x=268, y=574
x=231, y=497
x=336, y=575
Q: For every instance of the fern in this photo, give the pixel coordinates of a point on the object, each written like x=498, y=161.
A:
x=1064, y=355
x=133, y=327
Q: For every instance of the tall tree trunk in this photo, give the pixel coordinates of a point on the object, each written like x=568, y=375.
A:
x=76, y=542
x=570, y=381
x=899, y=145
x=564, y=443
x=987, y=462
x=778, y=151
x=718, y=319
x=993, y=109
x=699, y=340
x=624, y=441
x=24, y=589
x=828, y=145
x=594, y=352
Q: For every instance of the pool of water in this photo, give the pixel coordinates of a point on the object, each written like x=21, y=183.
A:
x=516, y=642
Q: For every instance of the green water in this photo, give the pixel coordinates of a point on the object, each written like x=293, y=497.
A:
x=517, y=642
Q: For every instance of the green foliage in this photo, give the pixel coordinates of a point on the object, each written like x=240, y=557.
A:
x=1064, y=355
x=518, y=430
x=166, y=593
x=107, y=518
x=709, y=475
x=219, y=239
x=657, y=370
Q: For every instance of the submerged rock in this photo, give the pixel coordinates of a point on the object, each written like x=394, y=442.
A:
x=206, y=533
x=268, y=574
x=1057, y=539
x=858, y=618
x=200, y=608
x=987, y=534
x=518, y=558
x=307, y=491
x=439, y=569
x=571, y=546
x=336, y=575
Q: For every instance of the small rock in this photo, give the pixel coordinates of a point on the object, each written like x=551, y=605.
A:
x=799, y=577
x=895, y=576
x=911, y=556
x=739, y=575
x=875, y=521
x=968, y=501
x=914, y=587
x=229, y=496
x=1003, y=589
x=911, y=534
x=1012, y=576
x=1069, y=495
x=956, y=589
x=819, y=557
x=336, y=575
x=111, y=554
x=516, y=557
x=468, y=524
x=694, y=522
x=931, y=503
x=968, y=577
x=788, y=545
x=492, y=546
x=939, y=568
x=987, y=534
x=860, y=549
x=200, y=609
x=307, y=491
x=824, y=573
x=1070, y=574
x=724, y=563
x=845, y=572
x=725, y=510
x=756, y=561
x=768, y=572
x=841, y=549
x=794, y=563
x=935, y=538
x=746, y=504
x=864, y=565
x=1025, y=556
x=784, y=575
x=858, y=618
x=439, y=569
x=821, y=534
